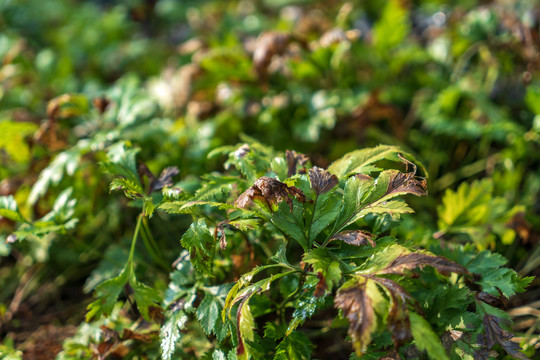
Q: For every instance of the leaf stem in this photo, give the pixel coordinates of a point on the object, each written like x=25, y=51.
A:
x=310, y=243
x=135, y=234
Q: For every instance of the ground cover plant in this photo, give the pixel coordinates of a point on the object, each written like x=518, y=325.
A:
x=207, y=180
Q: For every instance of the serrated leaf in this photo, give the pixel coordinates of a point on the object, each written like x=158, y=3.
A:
x=385, y=207
x=306, y=306
x=144, y=295
x=200, y=242
x=107, y=294
x=494, y=334
x=360, y=161
x=295, y=346
x=356, y=303
x=425, y=338
x=208, y=312
x=291, y=223
x=170, y=333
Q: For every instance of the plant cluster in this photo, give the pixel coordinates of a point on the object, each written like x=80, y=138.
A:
x=130, y=223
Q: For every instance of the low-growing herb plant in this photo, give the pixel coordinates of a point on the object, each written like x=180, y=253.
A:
x=276, y=242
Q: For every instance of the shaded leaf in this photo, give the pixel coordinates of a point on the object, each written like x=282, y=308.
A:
x=494, y=334
x=425, y=338
x=294, y=346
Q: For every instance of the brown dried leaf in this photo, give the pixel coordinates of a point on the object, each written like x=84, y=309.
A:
x=223, y=238
x=268, y=45
x=321, y=180
x=128, y=334
x=355, y=237
x=101, y=103
x=272, y=191
x=490, y=299
x=165, y=178
x=321, y=287
x=407, y=183
x=394, y=288
x=143, y=170
x=357, y=307
x=293, y=160
x=242, y=151
x=247, y=197
x=398, y=320
x=418, y=260
x=496, y=335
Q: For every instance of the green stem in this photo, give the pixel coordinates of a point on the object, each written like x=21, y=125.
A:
x=134, y=240
x=310, y=243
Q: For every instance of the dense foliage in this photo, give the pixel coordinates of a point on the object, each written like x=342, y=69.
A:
x=204, y=179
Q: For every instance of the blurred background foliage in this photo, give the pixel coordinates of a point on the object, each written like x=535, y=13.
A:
x=457, y=85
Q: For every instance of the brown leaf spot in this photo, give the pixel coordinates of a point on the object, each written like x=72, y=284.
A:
x=355, y=237
x=358, y=309
x=419, y=260
x=242, y=151
x=321, y=180
x=165, y=178
x=321, y=287
x=272, y=191
x=268, y=45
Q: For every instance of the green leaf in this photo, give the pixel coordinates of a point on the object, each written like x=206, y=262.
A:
x=12, y=139
x=107, y=293
x=361, y=161
x=169, y=333
x=200, y=243
x=473, y=210
x=392, y=27
x=306, y=306
x=208, y=312
x=322, y=261
x=384, y=207
x=9, y=209
x=66, y=161
x=291, y=223
x=246, y=325
x=295, y=346
x=327, y=208
x=425, y=338
x=144, y=295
